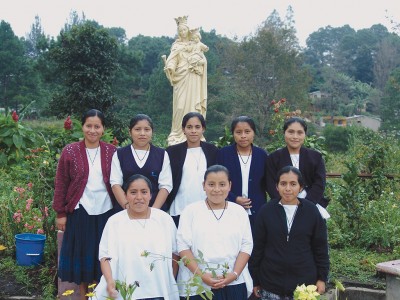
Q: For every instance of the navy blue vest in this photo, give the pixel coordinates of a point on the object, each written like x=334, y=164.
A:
x=151, y=168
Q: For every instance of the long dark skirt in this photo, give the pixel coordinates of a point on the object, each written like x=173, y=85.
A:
x=79, y=255
x=230, y=292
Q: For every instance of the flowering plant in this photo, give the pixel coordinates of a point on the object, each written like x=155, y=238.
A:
x=304, y=292
x=194, y=283
x=27, y=216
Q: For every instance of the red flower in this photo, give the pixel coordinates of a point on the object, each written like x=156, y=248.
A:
x=276, y=110
x=115, y=142
x=68, y=123
x=15, y=116
x=283, y=100
x=272, y=102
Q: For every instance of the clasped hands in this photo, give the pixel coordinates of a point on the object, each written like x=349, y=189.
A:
x=218, y=282
x=243, y=201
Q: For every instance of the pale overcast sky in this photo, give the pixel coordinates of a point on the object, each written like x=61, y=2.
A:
x=227, y=17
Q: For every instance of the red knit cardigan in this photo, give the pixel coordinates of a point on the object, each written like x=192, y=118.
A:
x=73, y=172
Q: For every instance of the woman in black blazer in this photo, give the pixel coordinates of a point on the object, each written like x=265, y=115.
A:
x=189, y=161
x=308, y=161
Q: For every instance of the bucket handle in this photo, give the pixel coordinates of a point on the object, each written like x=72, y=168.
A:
x=32, y=254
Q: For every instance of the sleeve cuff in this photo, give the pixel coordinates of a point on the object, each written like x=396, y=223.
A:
x=61, y=215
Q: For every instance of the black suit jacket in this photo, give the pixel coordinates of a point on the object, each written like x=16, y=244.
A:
x=312, y=167
x=177, y=155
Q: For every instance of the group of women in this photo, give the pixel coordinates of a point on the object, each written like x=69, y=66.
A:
x=129, y=214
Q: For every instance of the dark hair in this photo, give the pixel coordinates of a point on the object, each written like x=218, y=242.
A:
x=133, y=178
x=244, y=119
x=140, y=117
x=288, y=169
x=94, y=113
x=193, y=114
x=292, y=120
x=216, y=169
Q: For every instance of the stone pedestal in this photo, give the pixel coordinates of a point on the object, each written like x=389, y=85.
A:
x=392, y=271
x=63, y=285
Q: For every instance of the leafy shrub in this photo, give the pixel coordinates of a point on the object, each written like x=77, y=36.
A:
x=336, y=138
x=364, y=210
x=381, y=222
x=15, y=139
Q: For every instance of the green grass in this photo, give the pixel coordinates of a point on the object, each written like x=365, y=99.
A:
x=354, y=265
x=28, y=280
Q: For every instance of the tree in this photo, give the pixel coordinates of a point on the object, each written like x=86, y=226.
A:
x=86, y=58
x=321, y=44
x=387, y=58
x=150, y=49
x=264, y=67
x=36, y=41
x=12, y=65
x=390, y=104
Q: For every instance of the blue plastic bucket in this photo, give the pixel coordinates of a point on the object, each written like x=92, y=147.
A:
x=30, y=248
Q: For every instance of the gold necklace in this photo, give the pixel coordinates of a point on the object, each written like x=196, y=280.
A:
x=141, y=159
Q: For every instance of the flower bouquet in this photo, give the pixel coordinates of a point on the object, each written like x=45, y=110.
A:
x=304, y=292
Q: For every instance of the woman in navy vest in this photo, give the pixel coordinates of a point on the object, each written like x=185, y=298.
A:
x=246, y=164
x=141, y=157
x=189, y=161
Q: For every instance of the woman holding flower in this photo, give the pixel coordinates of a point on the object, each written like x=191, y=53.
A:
x=290, y=242
x=214, y=240
x=83, y=201
x=129, y=239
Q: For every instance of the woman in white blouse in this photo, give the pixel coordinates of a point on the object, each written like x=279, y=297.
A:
x=126, y=236
x=141, y=157
x=220, y=230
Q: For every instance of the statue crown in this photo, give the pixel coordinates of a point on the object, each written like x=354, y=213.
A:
x=181, y=20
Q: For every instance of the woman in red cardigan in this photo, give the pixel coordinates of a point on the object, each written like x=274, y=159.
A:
x=83, y=201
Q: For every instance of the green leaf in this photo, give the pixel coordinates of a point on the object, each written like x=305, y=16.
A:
x=18, y=142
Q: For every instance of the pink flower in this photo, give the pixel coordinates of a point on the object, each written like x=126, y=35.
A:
x=40, y=231
x=68, y=123
x=19, y=190
x=17, y=217
x=46, y=211
x=30, y=185
x=28, y=204
x=15, y=116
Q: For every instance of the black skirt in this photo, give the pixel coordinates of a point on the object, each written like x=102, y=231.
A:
x=230, y=292
x=79, y=255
